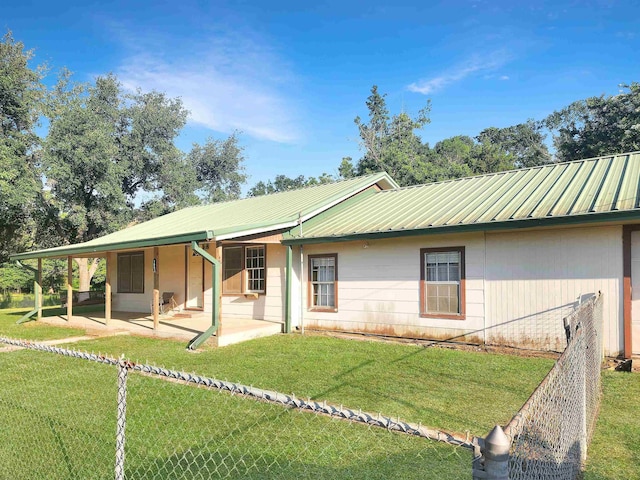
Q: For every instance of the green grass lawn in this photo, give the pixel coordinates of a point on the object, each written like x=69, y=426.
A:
x=34, y=330
x=176, y=431
x=615, y=449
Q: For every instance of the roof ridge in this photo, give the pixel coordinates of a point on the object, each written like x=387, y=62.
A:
x=484, y=175
x=304, y=187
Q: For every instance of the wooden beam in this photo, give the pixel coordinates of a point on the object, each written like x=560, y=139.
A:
x=627, y=293
x=107, y=290
x=218, y=272
x=156, y=288
x=69, y=288
x=39, y=289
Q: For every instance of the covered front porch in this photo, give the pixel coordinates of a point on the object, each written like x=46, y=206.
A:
x=231, y=330
x=177, y=291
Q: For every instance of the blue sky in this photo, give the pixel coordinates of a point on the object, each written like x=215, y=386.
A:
x=293, y=75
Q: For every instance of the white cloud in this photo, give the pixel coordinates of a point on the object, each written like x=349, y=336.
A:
x=504, y=77
x=472, y=66
x=228, y=83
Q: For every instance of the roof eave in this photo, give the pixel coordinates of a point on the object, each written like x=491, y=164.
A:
x=618, y=216
x=82, y=249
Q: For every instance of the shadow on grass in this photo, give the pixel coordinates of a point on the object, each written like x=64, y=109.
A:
x=56, y=311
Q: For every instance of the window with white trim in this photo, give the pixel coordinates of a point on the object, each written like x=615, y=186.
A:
x=443, y=281
x=254, y=266
x=323, y=280
x=243, y=269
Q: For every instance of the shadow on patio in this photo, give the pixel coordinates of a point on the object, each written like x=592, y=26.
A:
x=232, y=330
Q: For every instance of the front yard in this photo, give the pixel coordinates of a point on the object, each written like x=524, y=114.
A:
x=453, y=390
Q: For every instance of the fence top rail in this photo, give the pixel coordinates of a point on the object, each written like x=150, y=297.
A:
x=324, y=408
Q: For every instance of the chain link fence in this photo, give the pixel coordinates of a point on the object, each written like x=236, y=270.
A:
x=69, y=414
x=549, y=436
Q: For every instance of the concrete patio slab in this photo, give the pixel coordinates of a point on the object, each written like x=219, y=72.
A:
x=233, y=330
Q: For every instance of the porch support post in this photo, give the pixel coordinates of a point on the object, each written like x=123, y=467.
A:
x=287, y=290
x=216, y=286
x=156, y=289
x=39, y=290
x=216, y=278
x=69, y=288
x=626, y=288
x=107, y=290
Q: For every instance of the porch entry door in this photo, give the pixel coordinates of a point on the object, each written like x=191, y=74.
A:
x=195, y=280
x=635, y=292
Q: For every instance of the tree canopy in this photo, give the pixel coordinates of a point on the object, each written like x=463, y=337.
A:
x=108, y=157
x=598, y=126
x=21, y=91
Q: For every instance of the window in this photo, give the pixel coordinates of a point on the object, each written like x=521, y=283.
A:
x=243, y=269
x=131, y=272
x=442, y=280
x=254, y=264
x=323, y=281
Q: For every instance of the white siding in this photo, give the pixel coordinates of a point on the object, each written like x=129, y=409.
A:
x=379, y=287
x=265, y=307
x=535, y=278
x=532, y=279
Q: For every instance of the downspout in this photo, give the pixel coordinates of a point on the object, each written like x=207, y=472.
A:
x=301, y=278
x=215, y=281
x=27, y=317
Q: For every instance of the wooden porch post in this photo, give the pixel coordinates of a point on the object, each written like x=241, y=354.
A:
x=156, y=288
x=39, y=289
x=69, y=288
x=107, y=291
x=218, y=273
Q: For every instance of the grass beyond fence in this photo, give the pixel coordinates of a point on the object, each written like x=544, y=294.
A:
x=59, y=417
x=615, y=449
x=440, y=388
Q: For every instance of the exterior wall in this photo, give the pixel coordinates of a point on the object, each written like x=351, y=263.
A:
x=378, y=288
x=172, y=278
x=519, y=285
x=133, y=302
x=266, y=307
x=534, y=279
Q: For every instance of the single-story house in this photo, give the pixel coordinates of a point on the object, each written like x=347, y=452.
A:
x=498, y=258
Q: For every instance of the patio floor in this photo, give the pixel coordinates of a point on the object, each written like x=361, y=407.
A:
x=233, y=330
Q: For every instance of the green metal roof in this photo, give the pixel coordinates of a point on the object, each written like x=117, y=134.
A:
x=596, y=189
x=225, y=219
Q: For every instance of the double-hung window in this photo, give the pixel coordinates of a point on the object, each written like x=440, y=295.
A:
x=323, y=281
x=131, y=272
x=243, y=269
x=442, y=282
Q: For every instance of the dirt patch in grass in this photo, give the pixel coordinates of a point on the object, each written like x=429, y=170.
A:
x=466, y=347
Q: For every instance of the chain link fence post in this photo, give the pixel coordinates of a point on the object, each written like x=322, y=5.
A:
x=122, y=418
x=493, y=462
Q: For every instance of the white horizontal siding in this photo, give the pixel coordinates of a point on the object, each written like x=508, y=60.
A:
x=535, y=278
x=265, y=307
x=379, y=287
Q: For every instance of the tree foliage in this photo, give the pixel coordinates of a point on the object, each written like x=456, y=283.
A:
x=390, y=143
x=21, y=90
x=598, y=126
x=282, y=183
x=109, y=158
